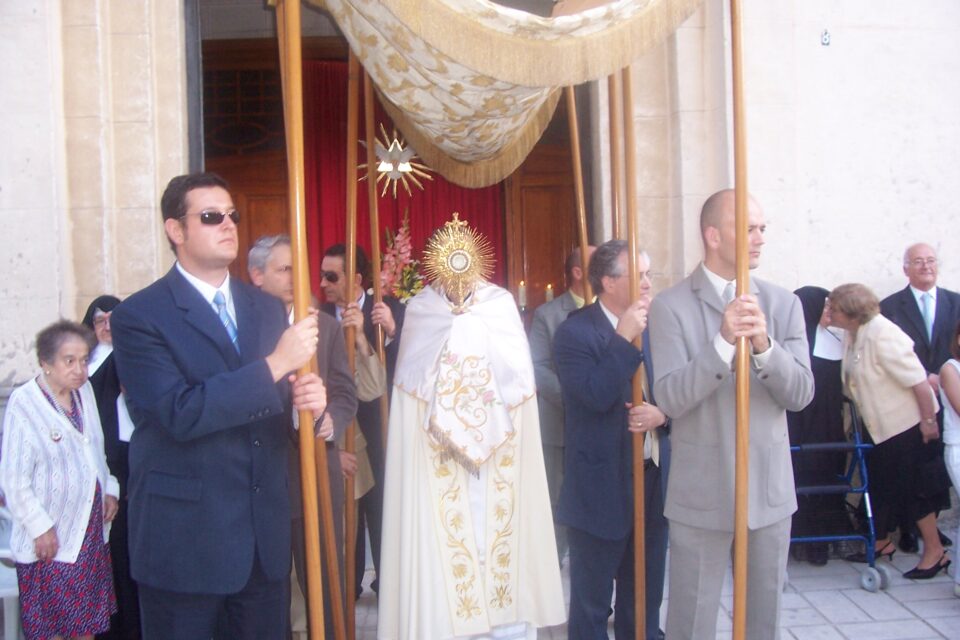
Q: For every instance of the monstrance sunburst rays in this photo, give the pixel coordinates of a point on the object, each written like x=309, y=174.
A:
x=456, y=259
x=396, y=163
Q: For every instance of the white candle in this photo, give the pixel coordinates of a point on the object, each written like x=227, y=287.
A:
x=522, y=294
x=549, y=293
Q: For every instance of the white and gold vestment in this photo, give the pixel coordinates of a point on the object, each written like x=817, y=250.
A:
x=468, y=547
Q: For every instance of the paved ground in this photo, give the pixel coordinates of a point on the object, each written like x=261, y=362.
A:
x=821, y=603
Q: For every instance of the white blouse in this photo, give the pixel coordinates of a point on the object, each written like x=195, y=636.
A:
x=49, y=471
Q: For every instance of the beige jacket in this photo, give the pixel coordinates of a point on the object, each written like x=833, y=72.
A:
x=879, y=371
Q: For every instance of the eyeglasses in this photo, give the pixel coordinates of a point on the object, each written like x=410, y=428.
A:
x=922, y=262
x=213, y=217
x=330, y=276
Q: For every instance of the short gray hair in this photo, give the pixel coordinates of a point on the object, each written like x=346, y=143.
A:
x=261, y=250
x=605, y=262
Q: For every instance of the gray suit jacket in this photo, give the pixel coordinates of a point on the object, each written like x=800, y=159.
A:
x=696, y=388
x=546, y=319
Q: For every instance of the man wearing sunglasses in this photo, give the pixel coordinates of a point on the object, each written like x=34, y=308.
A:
x=365, y=316
x=206, y=362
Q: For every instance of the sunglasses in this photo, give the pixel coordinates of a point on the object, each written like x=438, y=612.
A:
x=330, y=276
x=213, y=217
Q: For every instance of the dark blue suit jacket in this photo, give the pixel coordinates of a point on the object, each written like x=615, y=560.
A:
x=595, y=367
x=208, y=458
x=901, y=308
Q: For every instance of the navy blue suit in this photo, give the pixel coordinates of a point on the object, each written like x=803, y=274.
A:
x=595, y=367
x=209, y=501
x=901, y=308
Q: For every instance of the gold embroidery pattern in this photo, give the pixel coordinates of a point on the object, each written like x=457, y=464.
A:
x=500, y=560
x=462, y=388
x=453, y=520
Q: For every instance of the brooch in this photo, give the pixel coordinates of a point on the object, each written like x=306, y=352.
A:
x=56, y=436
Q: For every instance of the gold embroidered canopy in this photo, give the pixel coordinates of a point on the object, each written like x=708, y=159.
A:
x=472, y=84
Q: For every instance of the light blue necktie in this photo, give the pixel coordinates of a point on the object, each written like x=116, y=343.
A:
x=729, y=292
x=225, y=318
x=927, y=314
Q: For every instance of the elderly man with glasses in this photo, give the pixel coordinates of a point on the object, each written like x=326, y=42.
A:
x=929, y=315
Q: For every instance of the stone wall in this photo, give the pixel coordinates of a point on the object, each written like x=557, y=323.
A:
x=853, y=144
x=93, y=125
x=853, y=141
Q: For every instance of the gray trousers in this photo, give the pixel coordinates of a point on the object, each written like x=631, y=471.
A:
x=553, y=464
x=698, y=562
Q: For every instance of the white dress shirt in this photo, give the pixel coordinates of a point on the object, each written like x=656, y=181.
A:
x=208, y=291
x=918, y=296
x=725, y=350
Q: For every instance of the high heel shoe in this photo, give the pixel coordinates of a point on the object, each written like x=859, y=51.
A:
x=925, y=574
x=886, y=551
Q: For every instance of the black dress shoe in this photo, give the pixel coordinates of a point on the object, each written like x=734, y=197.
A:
x=925, y=574
x=886, y=552
x=944, y=540
x=908, y=543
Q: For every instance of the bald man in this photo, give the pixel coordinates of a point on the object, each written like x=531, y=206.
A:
x=694, y=326
x=931, y=329
x=929, y=315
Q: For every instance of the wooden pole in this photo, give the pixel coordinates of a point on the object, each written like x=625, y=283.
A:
x=578, y=188
x=350, y=335
x=616, y=150
x=639, y=542
x=371, y=134
x=742, y=366
x=313, y=458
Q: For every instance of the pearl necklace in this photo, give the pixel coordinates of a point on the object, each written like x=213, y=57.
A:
x=55, y=435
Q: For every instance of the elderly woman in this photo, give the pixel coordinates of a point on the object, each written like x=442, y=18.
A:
x=59, y=491
x=889, y=385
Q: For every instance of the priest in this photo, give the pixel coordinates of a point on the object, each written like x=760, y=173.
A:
x=468, y=549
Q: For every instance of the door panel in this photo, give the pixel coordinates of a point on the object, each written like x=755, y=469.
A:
x=541, y=222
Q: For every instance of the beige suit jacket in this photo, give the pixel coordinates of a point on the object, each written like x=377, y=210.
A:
x=696, y=389
x=879, y=370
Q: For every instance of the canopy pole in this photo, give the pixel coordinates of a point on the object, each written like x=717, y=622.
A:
x=311, y=457
x=371, y=134
x=350, y=334
x=578, y=187
x=639, y=379
x=616, y=151
x=742, y=367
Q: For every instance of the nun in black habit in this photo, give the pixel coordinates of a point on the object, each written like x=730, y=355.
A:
x=821, y=421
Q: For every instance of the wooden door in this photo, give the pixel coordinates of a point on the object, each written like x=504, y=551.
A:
x=258, y=184
x=541, y=222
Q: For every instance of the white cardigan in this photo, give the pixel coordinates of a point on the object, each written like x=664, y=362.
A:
x=49, y=471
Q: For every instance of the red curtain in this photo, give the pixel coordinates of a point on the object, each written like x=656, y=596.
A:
x=325, y=152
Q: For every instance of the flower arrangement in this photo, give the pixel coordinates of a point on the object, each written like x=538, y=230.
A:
x=400, y=273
